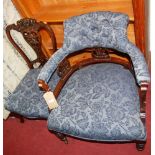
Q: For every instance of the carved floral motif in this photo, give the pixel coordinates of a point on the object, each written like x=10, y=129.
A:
x=30, y=30
x=100, y=53
x=63, y=67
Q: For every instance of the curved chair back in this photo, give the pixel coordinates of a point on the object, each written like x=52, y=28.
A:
x=101, y=29
x=29, y=28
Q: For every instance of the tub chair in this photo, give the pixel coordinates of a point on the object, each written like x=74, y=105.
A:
x=101, y=95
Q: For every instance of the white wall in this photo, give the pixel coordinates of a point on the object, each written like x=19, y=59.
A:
x=14, y=67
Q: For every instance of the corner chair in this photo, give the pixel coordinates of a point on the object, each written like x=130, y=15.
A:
x=101, y=97
x=26, y=100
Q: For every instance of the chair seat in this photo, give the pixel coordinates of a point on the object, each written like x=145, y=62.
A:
x=27, y=100
x=99, y=102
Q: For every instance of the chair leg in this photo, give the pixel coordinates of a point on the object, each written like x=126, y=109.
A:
x=21, y=119
x=62, y=137
x=140, y=145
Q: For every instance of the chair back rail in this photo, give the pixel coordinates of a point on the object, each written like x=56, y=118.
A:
x=99, y=55
x=29, y=28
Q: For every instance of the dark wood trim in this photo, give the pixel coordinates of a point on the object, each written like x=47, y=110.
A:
x=43, y=85
x=61, y=136
x=140, y=145
x=81, y=64
x=46, y=27
x=30, y=28
x=63, y=67
x=8, y=29
x=100, y=53
x=101, y=58
x=143, y=91
x=69, y=70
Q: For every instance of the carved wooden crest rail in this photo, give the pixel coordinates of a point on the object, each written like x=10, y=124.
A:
x=100, y=53
x=30, y=28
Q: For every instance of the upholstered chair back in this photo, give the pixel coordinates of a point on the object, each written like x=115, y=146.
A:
x=98, y=29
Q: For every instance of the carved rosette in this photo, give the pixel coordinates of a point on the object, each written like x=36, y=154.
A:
x=100, y=53
x=29, y=28
x=30, y=31
x=63, y=68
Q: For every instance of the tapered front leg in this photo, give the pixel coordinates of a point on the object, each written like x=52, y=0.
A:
x=61, y=136
x=140, y=145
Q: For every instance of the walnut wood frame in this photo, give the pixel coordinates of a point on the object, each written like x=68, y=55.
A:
x=99, y=55
x=29, y=28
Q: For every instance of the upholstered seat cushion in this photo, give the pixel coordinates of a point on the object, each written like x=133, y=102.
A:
x=99, y=102
x=27, y=100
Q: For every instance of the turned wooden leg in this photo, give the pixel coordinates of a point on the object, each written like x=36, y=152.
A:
x=21, y=119
x=140, y=146
x=62, y=137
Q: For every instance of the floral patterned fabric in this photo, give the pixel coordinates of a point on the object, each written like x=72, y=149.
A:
x=99, y=102
x=27, y=100
x=97, y=29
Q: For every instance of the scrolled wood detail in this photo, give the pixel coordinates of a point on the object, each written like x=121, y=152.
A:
x=100, y=53
x=63, y=67
x=81, y=64
x=29, y=28
x=65, y=70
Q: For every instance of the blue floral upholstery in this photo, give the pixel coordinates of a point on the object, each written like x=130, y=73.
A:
x=97, y=29
x=99, y=102
x=27, y=100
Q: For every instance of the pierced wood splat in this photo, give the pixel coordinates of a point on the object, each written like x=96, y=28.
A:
x=30, y=28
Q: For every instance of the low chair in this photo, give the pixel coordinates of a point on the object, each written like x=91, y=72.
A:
x=26, y=100
x=101, y=97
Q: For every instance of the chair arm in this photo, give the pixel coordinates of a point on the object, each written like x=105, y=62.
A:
x=43, y=85
x=139, y=63
x=49, y=68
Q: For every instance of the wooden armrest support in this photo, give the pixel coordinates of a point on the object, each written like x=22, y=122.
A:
x=43, y=85
x=143, y=90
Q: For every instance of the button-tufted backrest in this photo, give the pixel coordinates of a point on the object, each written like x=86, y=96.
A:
x=96, y=29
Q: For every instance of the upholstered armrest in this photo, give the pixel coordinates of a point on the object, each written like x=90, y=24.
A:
x=138, y=60
x=110, y=32
x=139, y=63
x=49, y=68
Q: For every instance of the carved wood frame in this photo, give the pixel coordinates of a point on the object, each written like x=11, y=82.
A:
x=29, y=28
x=99, y=55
